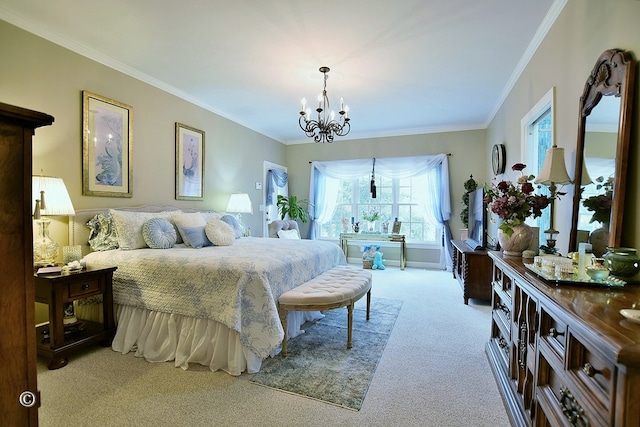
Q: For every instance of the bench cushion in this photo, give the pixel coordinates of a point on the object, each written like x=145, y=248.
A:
x=339, y=284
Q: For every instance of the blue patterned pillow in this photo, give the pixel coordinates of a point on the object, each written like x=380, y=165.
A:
x=103, y=236
x=233, y=222
x=195, y=237
x=158, y=233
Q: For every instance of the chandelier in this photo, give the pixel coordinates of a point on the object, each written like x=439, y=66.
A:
x=326, y=126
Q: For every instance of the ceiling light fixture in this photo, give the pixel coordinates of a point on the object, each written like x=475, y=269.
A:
x=326, y=127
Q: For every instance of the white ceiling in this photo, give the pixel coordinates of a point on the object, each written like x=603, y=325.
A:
x=403, y=67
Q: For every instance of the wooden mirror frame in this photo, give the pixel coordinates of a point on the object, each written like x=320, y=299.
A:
x=613, y=75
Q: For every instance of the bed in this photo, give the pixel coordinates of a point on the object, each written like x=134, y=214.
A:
x=215, y=306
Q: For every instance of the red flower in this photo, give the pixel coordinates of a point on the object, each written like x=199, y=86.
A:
x=518, y=167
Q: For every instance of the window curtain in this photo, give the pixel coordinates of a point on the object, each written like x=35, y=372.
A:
x=435, y=203
x=275, y=177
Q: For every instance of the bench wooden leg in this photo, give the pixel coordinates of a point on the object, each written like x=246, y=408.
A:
x=283, y=319
x=368, y=303
x=349, y=324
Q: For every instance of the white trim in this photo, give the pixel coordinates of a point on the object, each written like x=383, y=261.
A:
x=546, y=102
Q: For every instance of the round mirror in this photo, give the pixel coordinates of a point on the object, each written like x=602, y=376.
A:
x=601, y=155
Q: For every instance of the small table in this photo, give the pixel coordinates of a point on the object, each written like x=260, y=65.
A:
x=376, y=237
x=56, y=340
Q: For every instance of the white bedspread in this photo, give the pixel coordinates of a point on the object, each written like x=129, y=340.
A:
x=235, y=285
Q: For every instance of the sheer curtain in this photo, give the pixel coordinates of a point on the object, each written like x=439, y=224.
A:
x=435, y=201
x=275, y=177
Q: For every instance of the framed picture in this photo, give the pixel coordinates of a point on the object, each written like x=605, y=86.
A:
x=107, y=147
x=396, y=227
x=189, y=163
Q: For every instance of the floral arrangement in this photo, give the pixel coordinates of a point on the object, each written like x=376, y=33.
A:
x=600, y=205
x=372, y=215
x=515, y=202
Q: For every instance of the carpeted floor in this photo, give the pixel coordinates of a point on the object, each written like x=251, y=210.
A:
x=432, y=373
x=319, y=365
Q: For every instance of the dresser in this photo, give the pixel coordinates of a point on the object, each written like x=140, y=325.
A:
x=19, y=397
x=563, y=355
x=472, y=269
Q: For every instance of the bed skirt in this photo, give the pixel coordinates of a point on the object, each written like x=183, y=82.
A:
x=163, y=337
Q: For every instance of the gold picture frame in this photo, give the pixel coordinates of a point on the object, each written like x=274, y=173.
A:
x=189, y=163
x=107, y=147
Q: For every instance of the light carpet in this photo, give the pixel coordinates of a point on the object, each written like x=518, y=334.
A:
x=320, y=366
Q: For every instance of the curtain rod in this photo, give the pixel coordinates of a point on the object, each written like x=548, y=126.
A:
x=448, y=154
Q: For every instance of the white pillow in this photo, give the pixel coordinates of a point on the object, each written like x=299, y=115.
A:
x=288, y=234
x=220, y=233
x=158, y=233
x=129, y=227
x=181, y=220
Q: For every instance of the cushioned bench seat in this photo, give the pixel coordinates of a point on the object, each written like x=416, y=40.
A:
x=339, y=287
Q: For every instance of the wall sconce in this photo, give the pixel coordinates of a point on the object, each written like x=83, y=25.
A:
x=553, y=173
x=51, y=198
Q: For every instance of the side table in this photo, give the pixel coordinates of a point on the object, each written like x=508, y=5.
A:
x=55, y=340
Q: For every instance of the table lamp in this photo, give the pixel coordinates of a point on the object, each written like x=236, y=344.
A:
x=553, y=173
x=240, y=203
x=51, y=198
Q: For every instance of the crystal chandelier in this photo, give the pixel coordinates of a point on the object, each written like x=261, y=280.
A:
x=326, y=126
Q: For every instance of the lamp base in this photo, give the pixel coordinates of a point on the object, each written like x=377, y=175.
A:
x=45, y=250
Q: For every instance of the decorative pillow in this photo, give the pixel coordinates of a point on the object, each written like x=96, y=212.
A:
x=102, y=236
x=208, y=216
x=288, y=234
x=158, y=233
x=195, y=237
x=233, y=222
x=129, y=227
x=181, y=220
x=220, y=233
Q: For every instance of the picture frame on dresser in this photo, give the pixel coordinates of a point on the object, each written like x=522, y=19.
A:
x=107, y=147
x=189, y=163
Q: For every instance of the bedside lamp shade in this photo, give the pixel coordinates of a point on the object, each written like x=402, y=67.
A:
x=240, y=203
x=53, y=195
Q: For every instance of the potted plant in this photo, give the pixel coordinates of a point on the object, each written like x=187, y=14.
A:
x=470, y=185
x=371, y=217
x=296, y=209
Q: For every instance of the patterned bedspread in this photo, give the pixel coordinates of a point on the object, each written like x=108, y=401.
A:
x=236, y=285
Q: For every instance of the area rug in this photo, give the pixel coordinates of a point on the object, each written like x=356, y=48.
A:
x=318, y=364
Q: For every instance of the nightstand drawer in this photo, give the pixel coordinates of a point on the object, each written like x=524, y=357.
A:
x=84, y=287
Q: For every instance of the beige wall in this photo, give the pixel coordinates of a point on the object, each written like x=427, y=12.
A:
x=584, y=29
x=42, y=76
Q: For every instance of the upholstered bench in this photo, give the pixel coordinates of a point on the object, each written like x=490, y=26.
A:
x=339, y=287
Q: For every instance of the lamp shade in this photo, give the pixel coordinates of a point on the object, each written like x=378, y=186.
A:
x=56, y=200
x=240, y=203
x=554, y=171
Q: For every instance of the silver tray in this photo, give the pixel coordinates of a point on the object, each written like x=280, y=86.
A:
x=609, y=281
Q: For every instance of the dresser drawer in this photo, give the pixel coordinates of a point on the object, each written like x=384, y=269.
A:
x=560, y=401
x=553, y=332
x=591, y=370
x=84, y=287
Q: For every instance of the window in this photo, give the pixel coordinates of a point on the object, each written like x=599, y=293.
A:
x=396, y=198
x=537, y=127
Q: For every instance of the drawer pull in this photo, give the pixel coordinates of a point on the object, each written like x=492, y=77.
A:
x=502, y=343
x=503, y=307
x=572, y=409
x=553, y=333
x=589, y=370
x=85, y=286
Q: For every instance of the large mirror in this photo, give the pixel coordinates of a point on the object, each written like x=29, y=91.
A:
x=604, y=131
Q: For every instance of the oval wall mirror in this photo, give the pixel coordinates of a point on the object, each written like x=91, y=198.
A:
x=604, y=130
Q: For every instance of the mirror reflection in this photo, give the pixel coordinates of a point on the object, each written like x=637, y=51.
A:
x=603, y=145
x=598, y=174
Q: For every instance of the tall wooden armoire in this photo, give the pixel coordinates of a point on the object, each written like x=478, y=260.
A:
x=19, y=396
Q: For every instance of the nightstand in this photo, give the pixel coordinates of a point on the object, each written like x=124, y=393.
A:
x=56, y=340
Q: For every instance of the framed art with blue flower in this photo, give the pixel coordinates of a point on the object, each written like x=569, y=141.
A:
x=189, y=163
x=107, y=147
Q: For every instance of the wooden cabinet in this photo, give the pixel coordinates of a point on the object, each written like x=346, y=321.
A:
x=472, y=268
x=53, y=340
x=563, y=355
x=19, y=398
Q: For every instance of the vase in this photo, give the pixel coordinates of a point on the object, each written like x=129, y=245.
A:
x=519, y=240
x=623, y=262
x=371, y=226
